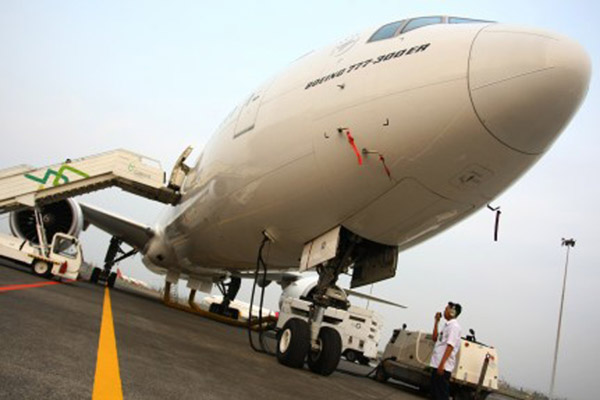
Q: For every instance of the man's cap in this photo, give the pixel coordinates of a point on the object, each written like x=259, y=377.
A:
x=456, y=307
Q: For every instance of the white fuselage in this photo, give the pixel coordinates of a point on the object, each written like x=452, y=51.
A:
x=455, y=113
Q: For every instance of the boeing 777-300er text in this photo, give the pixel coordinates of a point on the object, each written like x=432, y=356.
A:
x=356, y=152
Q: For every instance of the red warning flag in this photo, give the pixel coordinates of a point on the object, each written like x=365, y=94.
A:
x=351, y=141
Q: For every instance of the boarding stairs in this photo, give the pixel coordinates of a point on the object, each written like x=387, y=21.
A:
x=26, y=186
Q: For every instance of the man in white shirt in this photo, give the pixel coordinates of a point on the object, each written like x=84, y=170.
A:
x=447, y=344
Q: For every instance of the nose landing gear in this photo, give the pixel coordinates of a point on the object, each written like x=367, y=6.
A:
x=308, y=333
x=307, y=326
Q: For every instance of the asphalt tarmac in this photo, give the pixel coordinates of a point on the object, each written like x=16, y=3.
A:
x=49, y=338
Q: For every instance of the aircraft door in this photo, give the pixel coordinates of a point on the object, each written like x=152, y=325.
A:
x=249, y=112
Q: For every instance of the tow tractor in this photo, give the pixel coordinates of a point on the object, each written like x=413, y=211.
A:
x=62, y=258
x=360, y=332
x=406, y=358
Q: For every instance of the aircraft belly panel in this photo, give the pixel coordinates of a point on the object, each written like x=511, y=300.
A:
x=405, y=213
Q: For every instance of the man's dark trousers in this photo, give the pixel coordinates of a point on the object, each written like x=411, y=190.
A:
x=440, y=386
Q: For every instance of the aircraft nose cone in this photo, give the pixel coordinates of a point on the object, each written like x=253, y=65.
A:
x=526, y=84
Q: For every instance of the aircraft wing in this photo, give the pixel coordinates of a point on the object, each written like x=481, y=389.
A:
x=372, y=298
x=281, y=277
x=133, y=233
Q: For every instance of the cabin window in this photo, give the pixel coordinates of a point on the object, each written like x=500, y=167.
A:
x=387, y=31
x=421, y=22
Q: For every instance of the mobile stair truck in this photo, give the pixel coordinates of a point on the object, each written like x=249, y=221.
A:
x=38, y=196
x=406, y=358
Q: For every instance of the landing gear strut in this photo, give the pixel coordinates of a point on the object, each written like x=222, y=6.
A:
x=229, y=291
x=114, y=254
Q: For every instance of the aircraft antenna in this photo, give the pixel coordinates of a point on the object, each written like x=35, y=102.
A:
x=497, y=222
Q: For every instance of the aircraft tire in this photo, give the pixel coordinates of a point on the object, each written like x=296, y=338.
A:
x=294, y=343
x=325, y=361
x=95, y=275
x=41, y=269
x=112, y=278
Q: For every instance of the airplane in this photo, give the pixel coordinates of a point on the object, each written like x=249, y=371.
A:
x=356, y=152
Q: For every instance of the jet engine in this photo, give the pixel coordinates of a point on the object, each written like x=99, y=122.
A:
x=298, y=289
x=63, y=216
x=303, y=289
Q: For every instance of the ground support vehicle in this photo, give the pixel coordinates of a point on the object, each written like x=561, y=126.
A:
x=62, y=258
x=359, y=329
x=407, y=355
x=38, y=196
x=361, y=332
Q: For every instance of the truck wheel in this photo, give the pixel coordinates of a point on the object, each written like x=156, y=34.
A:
x=110, y=282
x=350, y=355
x=380, y=375
x=294, y=343
x=95, y=275
x=464, y=394
x=326, y=360
x=362, y=360
x=42, y=268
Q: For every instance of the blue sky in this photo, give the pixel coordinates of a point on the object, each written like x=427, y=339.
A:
x=79, y=78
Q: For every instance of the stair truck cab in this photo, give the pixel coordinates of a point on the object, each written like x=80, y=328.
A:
x=62, y=258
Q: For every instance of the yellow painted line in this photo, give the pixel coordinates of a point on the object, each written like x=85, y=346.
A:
x=107, y=382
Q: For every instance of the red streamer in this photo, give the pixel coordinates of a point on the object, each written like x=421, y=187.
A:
x=351, y=141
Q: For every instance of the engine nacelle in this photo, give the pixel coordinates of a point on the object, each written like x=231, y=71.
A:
x=63, y=216
x=303, y=288
x=298, y=289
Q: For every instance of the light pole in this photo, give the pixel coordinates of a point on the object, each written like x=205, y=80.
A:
x=568, y=243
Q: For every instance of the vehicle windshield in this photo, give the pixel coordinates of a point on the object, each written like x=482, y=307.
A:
x=66, y=247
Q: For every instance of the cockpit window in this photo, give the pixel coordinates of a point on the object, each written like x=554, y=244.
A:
x=421, y=22
x=396, y=28
x=387, y=31
x=458, y=20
